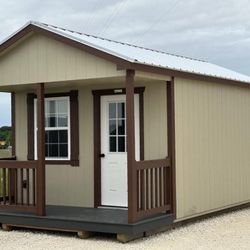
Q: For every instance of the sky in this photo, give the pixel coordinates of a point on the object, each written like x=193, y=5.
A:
x=217, y=31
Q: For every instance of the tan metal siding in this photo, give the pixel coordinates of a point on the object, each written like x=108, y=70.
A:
x=212, y=146
x=74, y=185
x=155, y=121
x=42, y=59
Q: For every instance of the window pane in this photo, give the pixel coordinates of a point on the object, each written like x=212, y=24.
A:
x=46, y=107
x=51, y=107
x=53, y=150
x=112, y=127
x=121, y=127
x=56, y=115
x=46, y=121
x=63, y=136
x=121, y=110
x=46, y=150
x=121, y=144
x=62, y=120
x=63, y=150
x=53, y=136
x=46, y=136
x=112, y=144
x=51, y=122
x=112, y=110
x=62, y=106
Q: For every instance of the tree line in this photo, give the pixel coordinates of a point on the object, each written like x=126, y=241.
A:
x=5, y=135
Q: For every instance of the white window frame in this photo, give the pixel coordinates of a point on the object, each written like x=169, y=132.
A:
x=68, y=128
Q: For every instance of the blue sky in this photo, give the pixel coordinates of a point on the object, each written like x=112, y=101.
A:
x=217, y=31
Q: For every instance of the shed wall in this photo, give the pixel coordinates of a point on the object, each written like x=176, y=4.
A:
x=74, y=186
x=212, y=146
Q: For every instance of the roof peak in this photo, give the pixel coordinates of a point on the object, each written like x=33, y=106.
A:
x=114, y=41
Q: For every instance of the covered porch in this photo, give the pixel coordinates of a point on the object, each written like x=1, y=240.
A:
x=151, y=202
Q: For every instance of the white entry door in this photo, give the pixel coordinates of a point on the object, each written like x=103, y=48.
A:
x=114, y=188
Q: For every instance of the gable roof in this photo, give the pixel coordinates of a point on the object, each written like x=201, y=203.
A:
x=130, y=55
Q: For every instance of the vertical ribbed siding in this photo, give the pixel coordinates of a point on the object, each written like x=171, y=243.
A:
x=42, y=59
x=212, y=146
x=63, y=181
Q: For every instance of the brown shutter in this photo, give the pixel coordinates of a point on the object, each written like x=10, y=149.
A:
x=30, y=126
x=74, y=127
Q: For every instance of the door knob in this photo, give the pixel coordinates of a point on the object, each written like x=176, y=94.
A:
x=102, y=155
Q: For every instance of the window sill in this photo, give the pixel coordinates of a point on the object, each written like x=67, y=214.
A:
x=73, y=163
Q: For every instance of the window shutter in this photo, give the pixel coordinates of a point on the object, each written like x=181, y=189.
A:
x=74, y=123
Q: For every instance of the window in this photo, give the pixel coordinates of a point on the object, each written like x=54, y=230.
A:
x=117, y=127
x=57, y=128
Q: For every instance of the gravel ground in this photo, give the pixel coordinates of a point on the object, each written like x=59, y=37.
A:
x=229, y=231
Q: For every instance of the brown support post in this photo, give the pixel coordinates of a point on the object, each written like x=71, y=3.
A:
x=171, y=144
x=132, y=194
x=13, y=123
x=40, y=187
x=12, y=182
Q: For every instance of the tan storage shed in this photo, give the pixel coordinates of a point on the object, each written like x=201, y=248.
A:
x=111, y=137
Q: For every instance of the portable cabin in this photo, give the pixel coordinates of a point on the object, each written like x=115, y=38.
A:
x=116, y=138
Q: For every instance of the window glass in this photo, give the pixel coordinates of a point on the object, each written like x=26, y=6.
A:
x=117, y=127
x=57, y=128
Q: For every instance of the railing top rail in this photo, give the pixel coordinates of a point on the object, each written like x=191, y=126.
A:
x=140, y=165
x=18, y=164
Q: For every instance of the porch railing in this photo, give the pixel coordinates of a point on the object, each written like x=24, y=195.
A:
x=18, y=185
x=153, y=187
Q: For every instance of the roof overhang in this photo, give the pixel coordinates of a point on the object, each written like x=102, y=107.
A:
x=121, y=63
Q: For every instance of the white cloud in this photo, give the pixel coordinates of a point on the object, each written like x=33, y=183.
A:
x=215, y=30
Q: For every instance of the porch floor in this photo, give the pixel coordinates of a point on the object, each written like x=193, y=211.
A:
x=105, y=220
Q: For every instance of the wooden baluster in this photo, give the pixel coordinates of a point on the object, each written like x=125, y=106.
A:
x=152, y=187
x=142, y=176
x=28, y=186
x=21, y=185
x=16, y=187
x=147, y=190
x=156, y=187
x=9, y=174
x=160, y=183
x=4, y=185
x=168, y=187
x=138, y=189
x=34, y=186
x=165, y=185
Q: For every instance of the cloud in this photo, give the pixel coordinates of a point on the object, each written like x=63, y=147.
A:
x=217, y=31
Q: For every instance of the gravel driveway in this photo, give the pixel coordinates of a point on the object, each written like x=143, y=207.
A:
x=229, y=231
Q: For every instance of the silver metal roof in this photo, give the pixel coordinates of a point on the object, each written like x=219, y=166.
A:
x=146, y=56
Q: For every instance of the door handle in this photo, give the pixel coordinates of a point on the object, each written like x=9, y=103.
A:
x=102, y=155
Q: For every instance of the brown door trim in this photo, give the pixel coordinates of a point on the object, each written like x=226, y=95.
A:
x=97, y=133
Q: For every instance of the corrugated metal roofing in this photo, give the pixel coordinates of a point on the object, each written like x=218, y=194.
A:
x=146, y=56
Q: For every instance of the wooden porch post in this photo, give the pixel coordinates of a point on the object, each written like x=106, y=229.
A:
x=171, y=143
x=132, y=190
x=40, y=187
